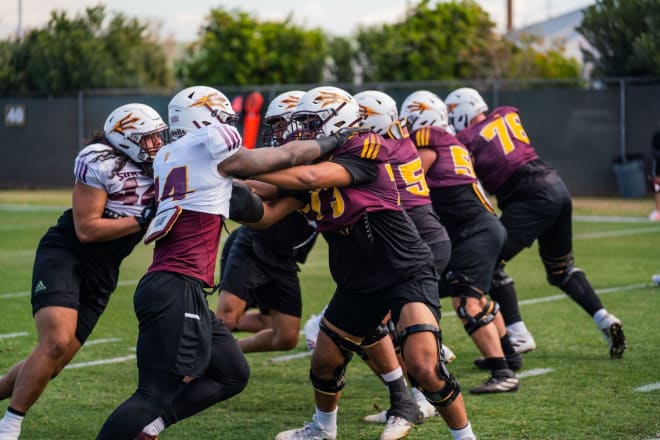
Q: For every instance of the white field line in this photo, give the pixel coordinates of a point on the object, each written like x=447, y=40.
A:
x=13, y=335
x=302, y=354
x=19, y=208
x=609, y=219
x=534, y=372
x=617, y=233
x=101, y=362
x=101, y=341
x=649, y=387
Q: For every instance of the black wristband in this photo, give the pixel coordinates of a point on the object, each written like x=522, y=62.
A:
x=142, y=221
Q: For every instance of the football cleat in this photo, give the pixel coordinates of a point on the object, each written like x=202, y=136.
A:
x=502, y=381
x=311, y=431
x=427, y=409
x=514, y=362
x=447, y=356
x=522, y=342
x=612, y=332
x=396, y=428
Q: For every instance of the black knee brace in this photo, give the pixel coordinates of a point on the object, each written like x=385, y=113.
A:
x=372, y=339
x=559, y=270
x=479, y=320
x=452, y=389
x=337, y=383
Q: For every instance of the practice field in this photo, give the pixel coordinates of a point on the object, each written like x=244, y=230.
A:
x=570, y=388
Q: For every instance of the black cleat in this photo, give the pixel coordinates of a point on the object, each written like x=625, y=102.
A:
x=502, y=381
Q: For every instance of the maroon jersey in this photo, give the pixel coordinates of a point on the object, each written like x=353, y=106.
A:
x=408, y=173
x=499, y=145
x=453, y=165
x=335, y=208
x=191, y=247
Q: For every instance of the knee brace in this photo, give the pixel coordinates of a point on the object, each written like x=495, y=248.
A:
x=372, y=339
x=500, y=277
x=484, y=317
x=559, y=270
x=337, y=383
x=452, y=389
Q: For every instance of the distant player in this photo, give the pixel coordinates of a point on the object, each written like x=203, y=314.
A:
x=535, y=204
x=261, y=266
x=477, y=236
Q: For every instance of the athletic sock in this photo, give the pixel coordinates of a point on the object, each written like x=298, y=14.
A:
x=463, y=433
x=328, y=420
x=10, y=424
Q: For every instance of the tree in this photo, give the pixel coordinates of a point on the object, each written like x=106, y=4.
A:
x=90, y=51
x=236, y=49
x=624, y=34
x=451, y=40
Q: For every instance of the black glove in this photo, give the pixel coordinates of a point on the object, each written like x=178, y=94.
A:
x=147, y=215
x=329, y=143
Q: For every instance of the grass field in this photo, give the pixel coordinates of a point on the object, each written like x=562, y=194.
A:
x=570, y=389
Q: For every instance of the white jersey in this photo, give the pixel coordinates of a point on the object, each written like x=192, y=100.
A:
x=129, y=190
x=186, y=170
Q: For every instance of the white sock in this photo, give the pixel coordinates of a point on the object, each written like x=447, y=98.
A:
x=155, y=427
x=10, y=425
x=600, y=315
x=327, y=420
x=463, y=434
x=517, y=327
x=392, y=375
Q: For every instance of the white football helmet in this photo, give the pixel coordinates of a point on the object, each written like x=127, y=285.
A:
x=377, y=109
x=197, y=106
x=422, y=109
x=127, y=126
x=463, y=105
x=277, y=120
x=325, y=110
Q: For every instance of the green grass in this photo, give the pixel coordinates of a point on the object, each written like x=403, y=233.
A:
x=585, y=396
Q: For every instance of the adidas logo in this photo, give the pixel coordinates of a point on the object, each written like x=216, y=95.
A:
x=39, y=287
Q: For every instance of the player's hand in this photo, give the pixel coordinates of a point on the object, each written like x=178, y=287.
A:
x=148, y=213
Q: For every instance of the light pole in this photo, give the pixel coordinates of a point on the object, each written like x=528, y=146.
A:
x=19, y=31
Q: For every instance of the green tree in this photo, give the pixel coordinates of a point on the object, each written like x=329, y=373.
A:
x=235, y=49
x=342, y=54
x=625, y=37
x=88, y=51
x=452, y=40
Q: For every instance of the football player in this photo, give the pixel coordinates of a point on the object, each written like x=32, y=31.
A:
x=380, y=114
x=535, y=205
x=477, y=236
x=262, y=265
x=77, y=261
x=187, y=359
x=377, y=260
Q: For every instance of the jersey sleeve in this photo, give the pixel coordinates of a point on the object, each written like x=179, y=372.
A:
x=222, y=141
x=362, y=170
x=89, y=171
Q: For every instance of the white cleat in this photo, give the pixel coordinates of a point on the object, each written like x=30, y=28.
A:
x=522, y=342
x=427, y=409
x=380, y=417
x=396, y=428
x=311, y=431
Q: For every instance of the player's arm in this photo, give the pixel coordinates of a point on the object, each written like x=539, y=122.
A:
x=428, y=157
x=275, y=211
x=321, y=175
x=88, y=204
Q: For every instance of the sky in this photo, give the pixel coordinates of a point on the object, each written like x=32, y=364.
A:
x=181, y=19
